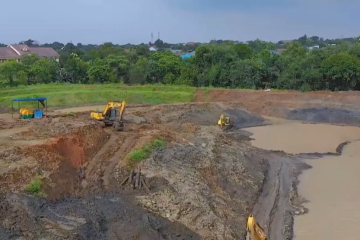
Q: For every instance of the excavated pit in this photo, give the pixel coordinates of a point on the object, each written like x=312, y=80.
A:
x=203, y=184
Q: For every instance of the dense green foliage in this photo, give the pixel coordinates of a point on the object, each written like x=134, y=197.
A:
x=334, y=66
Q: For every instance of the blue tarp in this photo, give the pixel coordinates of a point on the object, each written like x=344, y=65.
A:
x=186, y=56
x=28, y=99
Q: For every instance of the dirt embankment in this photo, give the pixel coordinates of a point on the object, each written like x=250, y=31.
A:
x=274, y=103
x=210, y=184
x=203, y=184
x=325, y=115
x=57, y=160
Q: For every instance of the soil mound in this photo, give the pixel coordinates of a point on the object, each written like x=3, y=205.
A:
x=325, y=115
x=58, y=159
x=212, y=185
x=209, y=114
x=243, y=118
x=109, y=216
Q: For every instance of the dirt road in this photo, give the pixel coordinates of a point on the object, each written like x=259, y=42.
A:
x=202, y=185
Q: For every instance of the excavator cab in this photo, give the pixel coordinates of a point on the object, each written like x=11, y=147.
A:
x=113, y=118
x=225, y=122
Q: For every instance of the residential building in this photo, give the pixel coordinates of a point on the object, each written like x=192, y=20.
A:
x=274, y=52
x=176, y=51
x=277, y=51
x=16, y=51
x=152, y=49
x=313, y=47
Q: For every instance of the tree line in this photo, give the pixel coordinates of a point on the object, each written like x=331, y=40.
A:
x=333, y=66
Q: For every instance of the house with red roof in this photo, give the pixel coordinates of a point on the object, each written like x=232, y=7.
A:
x=16, y=51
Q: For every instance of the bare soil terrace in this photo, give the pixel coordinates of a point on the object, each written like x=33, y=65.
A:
x=202, y=185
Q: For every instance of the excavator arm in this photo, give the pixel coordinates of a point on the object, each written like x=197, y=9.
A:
x=122, y=110
x=254, y=231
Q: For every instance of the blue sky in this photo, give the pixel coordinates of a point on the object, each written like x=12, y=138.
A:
x=132, y=21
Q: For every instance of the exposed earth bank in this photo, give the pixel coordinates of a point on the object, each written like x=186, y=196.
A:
x=202, y=184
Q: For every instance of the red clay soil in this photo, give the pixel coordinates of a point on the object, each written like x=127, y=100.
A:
x=269, y=103
x=60, y=157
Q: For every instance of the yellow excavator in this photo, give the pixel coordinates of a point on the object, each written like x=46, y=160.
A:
x=112, y=115
x=225, y=122
x=254, y=231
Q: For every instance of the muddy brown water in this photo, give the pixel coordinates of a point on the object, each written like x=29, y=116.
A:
x=331, y=185
x=295, y=137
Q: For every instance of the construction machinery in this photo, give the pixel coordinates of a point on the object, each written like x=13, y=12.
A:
x=112, y=115
x=254, y=231
x=225, y=122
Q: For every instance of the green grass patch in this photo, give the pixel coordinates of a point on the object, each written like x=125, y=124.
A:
x=138, y=155
x=35, y=187
x=67, y=95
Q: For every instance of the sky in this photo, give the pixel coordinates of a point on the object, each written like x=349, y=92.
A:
x=133, y=21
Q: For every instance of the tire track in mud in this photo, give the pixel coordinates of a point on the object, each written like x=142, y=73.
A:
x=120, y=154
x=276, y=200
x=95, y=160
x=273, y=200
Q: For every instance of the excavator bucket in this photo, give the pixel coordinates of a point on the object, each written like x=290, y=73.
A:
x=119, y=125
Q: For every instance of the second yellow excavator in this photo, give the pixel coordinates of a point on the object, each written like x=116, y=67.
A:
x=112, y=115
x=254, y=231
x=225, y=122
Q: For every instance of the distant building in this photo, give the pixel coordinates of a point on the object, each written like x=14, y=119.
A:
x=277, y=51
x=16, y=51
x=176, y=51
x=191, y=43
x=274, y=52
x=313, y=47
x=152, y=49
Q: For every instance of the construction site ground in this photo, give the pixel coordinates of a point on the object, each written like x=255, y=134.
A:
x=202, y=184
